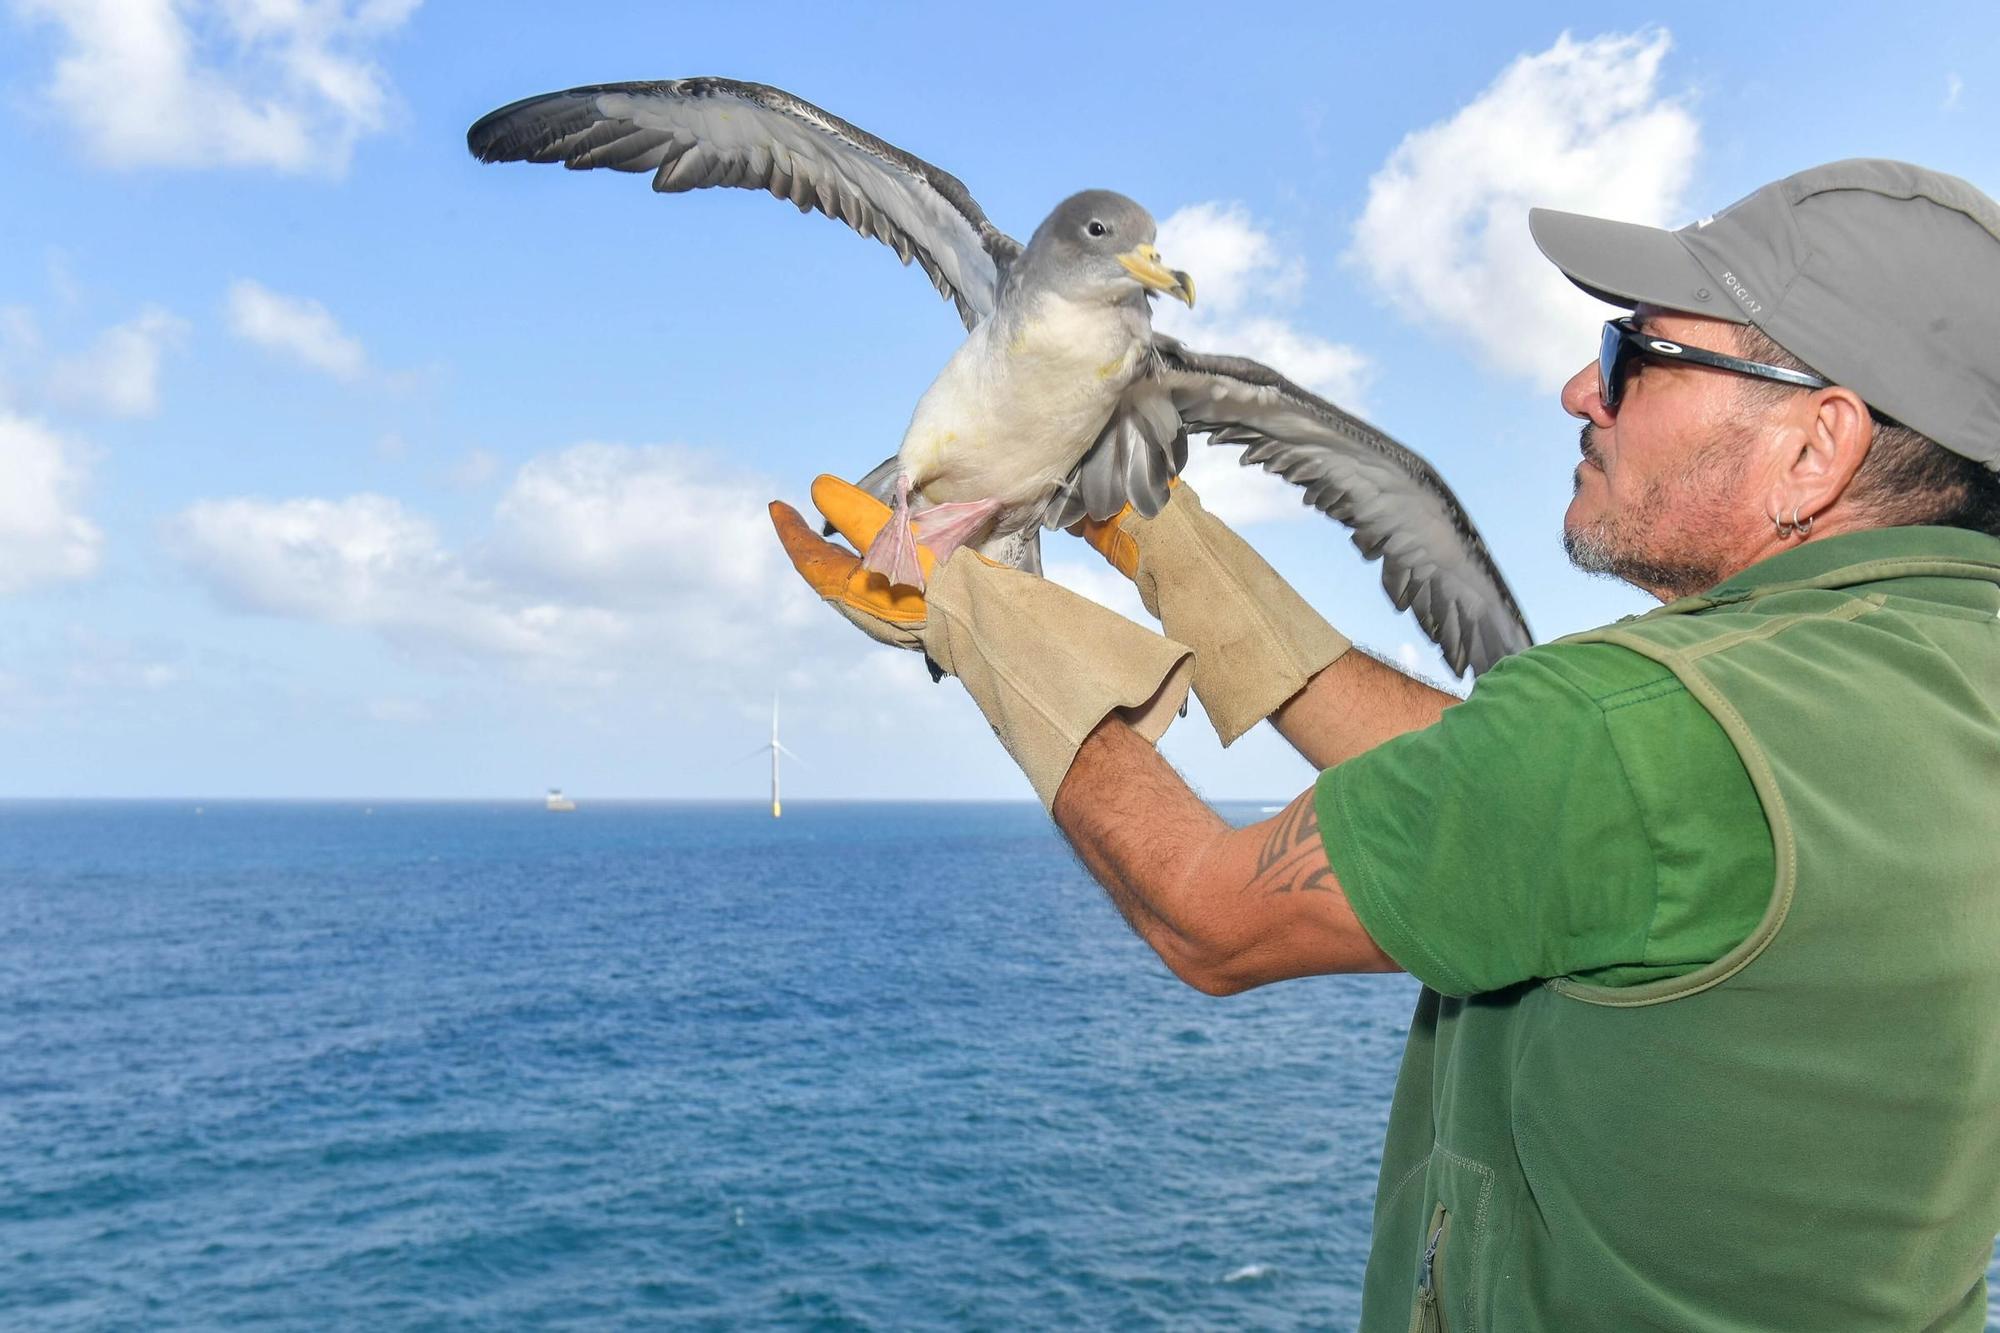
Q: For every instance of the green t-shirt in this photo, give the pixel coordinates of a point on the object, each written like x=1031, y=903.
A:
x=1580, y=815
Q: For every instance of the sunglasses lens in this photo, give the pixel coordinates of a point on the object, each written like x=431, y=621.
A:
x=1611, y=359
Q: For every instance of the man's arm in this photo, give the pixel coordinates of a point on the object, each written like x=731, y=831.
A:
x=1225, y=908
x=1354, y=704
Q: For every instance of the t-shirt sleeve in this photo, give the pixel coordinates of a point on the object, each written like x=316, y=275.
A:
x=1507, y=842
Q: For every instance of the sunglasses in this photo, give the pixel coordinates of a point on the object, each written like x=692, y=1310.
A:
x=1624, y=344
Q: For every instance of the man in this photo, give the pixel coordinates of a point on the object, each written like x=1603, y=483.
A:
x=1706, y=902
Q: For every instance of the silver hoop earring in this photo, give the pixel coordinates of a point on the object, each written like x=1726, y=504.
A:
x=1802, y=528
x=1779, y=526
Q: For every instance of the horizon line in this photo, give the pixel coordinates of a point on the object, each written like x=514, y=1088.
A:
x=538, y=801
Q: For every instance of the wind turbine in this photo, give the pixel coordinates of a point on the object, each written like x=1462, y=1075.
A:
x=776, y=748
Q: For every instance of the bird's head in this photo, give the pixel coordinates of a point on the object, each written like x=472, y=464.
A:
x=1101, y=243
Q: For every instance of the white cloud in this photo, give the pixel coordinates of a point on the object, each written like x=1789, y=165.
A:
x=1582, y=127
x=366, y=561
x=602, y=562
x=1954, y=87
x=117, y=375
x=338, y=560
x=1232, y=260
x=1238, y=269
x=44, y=537
x=120, y=373
x=297, y=326
x=288, y=84
x=1240, y=276
x=635, y=526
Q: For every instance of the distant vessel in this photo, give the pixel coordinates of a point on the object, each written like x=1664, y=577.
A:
x=558, y=801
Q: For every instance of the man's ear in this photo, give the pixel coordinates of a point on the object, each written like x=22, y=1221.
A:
x=1834, y=431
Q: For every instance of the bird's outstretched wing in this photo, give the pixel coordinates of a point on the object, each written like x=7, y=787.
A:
x=693, y=133
x=1433, y=561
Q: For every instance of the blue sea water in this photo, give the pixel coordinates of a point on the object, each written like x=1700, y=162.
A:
x=481, y=1066
x=462, y=1066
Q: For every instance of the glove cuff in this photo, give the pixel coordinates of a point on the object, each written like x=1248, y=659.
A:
x=1256, y=641
x=1046, y=666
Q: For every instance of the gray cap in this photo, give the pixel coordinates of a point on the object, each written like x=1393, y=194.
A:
x=1882, y=276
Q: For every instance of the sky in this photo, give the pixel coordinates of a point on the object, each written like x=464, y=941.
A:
x=334, y=463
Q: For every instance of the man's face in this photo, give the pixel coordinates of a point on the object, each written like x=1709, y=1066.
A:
x=1661, y=495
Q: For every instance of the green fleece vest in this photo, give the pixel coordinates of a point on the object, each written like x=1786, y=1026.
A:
x=1805, y=1134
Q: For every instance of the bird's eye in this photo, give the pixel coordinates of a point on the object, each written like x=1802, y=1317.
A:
x=1096, y=228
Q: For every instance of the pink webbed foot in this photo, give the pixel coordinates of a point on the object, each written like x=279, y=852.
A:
x=893, y=554
x=946, y=527
x=943, y=528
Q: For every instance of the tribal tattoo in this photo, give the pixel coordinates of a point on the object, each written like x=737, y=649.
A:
x=1293, y=857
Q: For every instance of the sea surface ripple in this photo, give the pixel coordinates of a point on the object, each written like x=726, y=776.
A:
x=480, y=1066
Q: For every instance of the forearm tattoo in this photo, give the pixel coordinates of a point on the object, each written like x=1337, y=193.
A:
x=1293, y=859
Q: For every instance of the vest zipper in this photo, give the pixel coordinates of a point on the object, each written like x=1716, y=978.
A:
x=1428, y=1316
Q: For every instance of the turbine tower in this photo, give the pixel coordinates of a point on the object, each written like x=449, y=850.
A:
x=776, y=748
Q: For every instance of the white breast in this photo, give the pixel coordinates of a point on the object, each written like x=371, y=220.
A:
x=1014, y=410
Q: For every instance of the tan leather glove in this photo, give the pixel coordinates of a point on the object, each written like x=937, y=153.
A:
x=1256, y=641
x=1044, y=665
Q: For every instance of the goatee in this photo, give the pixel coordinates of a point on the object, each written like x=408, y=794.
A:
x=1637, y=545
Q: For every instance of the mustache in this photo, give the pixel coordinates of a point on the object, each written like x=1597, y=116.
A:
x=1587, y=444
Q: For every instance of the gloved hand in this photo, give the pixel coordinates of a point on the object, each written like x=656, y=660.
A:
x=1256, y=641
x=1044, y=665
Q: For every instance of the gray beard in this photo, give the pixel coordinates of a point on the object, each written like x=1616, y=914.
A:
x=1629, y=546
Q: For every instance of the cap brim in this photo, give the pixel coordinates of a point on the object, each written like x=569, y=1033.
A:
x=1627, y=264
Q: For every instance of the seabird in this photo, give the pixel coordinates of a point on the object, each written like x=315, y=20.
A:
x=1063, y=402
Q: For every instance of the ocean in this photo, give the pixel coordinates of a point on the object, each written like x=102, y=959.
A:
x=481, y=1066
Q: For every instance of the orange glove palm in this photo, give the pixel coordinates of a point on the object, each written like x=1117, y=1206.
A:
x=890, y=614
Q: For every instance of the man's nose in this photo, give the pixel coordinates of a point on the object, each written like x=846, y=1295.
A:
x=1582, y=397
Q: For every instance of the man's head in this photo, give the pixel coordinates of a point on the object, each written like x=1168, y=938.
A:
x=1879, y=279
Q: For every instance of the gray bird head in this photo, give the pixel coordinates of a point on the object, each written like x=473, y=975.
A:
x=1098, y=243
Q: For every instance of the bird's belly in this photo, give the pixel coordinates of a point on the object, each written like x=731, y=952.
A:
x=1009, y=423
x=1014, y=450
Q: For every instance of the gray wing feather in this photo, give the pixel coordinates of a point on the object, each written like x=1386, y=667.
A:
x=1135, y=458
x=1434, y=562
x=880, y=480
x=696, y=133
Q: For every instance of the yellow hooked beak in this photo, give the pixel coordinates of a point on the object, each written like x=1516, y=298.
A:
x=1143, y=263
